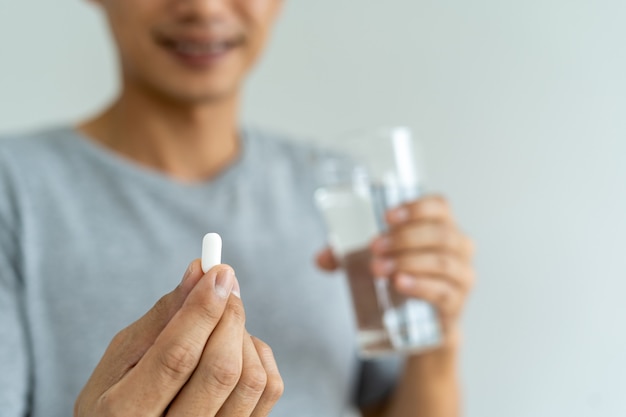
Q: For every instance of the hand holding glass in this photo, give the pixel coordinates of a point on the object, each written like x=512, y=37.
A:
x=370, y=173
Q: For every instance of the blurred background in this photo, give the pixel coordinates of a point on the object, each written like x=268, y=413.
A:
x=521, y=110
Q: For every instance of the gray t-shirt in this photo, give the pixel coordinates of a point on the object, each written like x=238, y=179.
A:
x=89, y=241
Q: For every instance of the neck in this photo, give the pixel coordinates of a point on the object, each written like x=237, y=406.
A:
x=190, y=142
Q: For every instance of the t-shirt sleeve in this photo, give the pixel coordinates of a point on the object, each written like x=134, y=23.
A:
x=14, y=357
x=378, y=378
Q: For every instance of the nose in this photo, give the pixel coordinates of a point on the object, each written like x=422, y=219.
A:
x=201, y=10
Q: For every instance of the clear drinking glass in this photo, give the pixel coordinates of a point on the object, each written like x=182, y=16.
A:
x=363, y=176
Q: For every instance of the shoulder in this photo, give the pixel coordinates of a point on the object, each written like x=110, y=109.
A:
x=34, y=150
x=27, y=159
x=45, y=153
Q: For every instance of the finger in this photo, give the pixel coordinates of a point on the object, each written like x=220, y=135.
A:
x=274, y=386
x=219, y=370
x=432, y=208
x=422, y=237
x=440, y=265
x=246, y=395
x=130, y=344
x=170, y=361
x=326, y=260
x=445, y=297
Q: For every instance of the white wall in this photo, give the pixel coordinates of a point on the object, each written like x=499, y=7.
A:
x=521, y=109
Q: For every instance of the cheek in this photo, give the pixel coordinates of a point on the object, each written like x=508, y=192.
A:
x=259, y=14
x=258, y=17
x=130, y=21
x=257, y=6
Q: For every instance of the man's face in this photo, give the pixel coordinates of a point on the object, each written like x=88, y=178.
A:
x=189, y=50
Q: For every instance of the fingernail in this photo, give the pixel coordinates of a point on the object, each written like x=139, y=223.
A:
x=399, y=215
x=224, y=282
x=187, y=273
x=405, y=282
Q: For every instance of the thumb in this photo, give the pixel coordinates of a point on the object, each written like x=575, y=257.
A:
x=326, y=260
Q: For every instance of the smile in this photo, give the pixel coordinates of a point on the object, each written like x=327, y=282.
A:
x=200, y=53
x=200, y=49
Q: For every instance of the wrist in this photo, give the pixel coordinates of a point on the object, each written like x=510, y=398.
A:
x=430, y=385
x=441, y=360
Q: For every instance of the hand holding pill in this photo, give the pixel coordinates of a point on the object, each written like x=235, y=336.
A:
x=171, y=358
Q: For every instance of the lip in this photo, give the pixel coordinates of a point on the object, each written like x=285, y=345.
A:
x=199, y=52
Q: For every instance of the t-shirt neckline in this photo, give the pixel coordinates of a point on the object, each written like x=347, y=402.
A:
x=122, y=164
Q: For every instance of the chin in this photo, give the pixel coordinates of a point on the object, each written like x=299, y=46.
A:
x=197, y=96
x=210, y=97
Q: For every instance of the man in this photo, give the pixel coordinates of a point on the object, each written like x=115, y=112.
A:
x=96, y=220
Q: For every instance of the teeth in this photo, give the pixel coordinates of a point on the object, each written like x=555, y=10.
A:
x=198, y=49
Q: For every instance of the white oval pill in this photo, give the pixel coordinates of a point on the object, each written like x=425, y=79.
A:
x=211, y=251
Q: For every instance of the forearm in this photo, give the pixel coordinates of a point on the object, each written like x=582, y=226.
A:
x=429, y=387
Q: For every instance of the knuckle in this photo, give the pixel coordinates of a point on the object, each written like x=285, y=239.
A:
x=123, y=342
x=205, y=307
x=120, y=339
x=124, y=347
x=448, y=238
x=224, y=374
x=161, y=307
x=234, y=310
x=444, y=264
x=275, y=388
x=80, y=406
x=107, y=406
x=178, y=361
x=441, y=200
x=254, y=381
